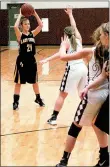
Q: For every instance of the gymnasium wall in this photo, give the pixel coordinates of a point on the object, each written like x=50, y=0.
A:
x=87, y=20
x=4, y=27
x=50, y=4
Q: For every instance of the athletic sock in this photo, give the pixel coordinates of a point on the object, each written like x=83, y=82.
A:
x=65, y=157
x=104, y=149
x=55, y=113
x=38, y=96
x=16, y=98
x=104, y=153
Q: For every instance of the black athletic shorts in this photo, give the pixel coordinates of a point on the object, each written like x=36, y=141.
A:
x=25, y=70
x=102, y=120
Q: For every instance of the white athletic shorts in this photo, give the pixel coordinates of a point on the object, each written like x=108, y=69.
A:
x=74, y=78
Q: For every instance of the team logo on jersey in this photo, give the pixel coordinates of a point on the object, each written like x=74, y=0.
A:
x=26, y=40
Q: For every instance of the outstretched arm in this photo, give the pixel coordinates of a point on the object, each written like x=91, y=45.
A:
x=40, y=24
x=73, y=23
x=16, y=27
x=53, y=57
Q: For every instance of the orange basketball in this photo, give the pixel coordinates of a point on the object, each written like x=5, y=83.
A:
x=27, y=10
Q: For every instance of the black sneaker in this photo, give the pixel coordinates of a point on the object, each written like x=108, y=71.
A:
x=40, y=102
x=52, y=120
x=62, y=163
x=103, y=161
x=15, y=106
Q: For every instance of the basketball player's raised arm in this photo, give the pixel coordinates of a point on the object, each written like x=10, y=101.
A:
x=73, y=23
x=16, y=27
x=40, y=24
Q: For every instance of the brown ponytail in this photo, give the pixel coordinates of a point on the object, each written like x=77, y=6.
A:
x=69, y=31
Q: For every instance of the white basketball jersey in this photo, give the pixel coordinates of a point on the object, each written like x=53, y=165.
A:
x=71, y=50
x=94, y=70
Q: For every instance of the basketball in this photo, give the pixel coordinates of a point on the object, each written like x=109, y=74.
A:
x=27, y=10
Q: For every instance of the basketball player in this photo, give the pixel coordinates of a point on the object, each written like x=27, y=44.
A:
x=101, y=125
x=75, y=72
x=26, y=66
x=90, y=105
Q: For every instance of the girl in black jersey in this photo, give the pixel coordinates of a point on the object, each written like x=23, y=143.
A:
x=26, y=66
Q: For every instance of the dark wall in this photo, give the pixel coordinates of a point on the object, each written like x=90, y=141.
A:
x=87, y=21
x=3, y=27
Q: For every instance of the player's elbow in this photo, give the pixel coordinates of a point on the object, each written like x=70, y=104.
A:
x=41, y=25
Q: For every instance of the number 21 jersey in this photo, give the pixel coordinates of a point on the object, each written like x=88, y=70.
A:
x=27, y=45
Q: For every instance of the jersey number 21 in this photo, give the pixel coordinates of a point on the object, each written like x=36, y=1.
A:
x=29, y=47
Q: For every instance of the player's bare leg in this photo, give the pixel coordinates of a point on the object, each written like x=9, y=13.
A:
x=58, y=106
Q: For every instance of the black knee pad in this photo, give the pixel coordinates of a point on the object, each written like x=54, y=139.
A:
x=74, y=130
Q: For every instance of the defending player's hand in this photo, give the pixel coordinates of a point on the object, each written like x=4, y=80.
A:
x=65, y=42
x=68, y=11
x=83, y=93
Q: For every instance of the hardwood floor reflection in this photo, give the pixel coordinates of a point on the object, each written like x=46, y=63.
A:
x=27, y=140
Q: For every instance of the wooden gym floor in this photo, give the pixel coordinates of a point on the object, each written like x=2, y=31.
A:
x=26, y=138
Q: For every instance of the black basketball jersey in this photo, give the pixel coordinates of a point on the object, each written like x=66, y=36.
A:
x=27, y=45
